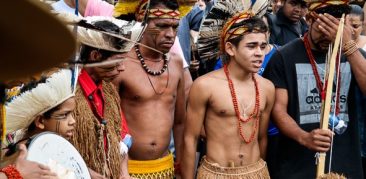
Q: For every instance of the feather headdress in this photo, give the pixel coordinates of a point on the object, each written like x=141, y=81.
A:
x=22, y=110
x=219, y=20
x=121, y=40
x=317, y=4
x=135, y=9
x=333, y=7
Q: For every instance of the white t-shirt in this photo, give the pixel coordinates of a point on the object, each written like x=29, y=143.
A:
x=176, y=48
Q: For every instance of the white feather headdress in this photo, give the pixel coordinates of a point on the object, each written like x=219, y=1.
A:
x=88, y=34
x=23, y=109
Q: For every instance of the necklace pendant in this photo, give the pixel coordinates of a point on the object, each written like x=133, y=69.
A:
x=243, y=119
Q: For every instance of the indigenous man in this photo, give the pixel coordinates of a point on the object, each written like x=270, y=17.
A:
x=297, y=71
x=233, y=105
x=152, y=94
x=100, y=126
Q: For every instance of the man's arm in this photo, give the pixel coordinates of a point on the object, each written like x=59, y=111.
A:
x=263, y=123
x=317, y=140
x=124, y=168
x=187, y=82
x=197, y=101
x=358, y=66
x=179, y=114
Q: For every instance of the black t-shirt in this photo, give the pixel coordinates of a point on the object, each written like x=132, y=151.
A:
x=290, y=69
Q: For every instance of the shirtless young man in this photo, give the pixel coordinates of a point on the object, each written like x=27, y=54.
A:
x=218, y=100
x=152, y=94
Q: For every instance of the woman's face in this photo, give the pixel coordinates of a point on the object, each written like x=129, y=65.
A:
x=356, y=23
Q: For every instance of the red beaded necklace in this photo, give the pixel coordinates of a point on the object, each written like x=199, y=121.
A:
x=322, y=88
x=255, y=112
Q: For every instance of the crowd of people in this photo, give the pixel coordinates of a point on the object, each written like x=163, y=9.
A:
x=127, y=102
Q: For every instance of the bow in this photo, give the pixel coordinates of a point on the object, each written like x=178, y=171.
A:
x=326, y=105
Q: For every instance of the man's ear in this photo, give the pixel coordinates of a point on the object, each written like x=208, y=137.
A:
x=39, y=122
x=94, y=56
x=230, y=49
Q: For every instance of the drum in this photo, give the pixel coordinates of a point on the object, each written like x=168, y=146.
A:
x=51, y=149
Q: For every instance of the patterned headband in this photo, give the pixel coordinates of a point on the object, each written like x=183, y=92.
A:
x=230, y=33
x=155, y=13
x=316, y=4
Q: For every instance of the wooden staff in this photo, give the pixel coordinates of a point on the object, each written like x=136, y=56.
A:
x=328, y=97
x=2, y=116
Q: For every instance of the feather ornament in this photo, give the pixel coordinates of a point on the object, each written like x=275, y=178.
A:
x=87, y=33
x=208, y=43
x=22, y=110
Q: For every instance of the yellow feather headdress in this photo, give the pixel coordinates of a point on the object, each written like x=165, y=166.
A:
x=135, y=9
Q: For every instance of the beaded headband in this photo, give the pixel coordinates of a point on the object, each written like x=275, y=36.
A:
x=155, y=13
x=163, y=14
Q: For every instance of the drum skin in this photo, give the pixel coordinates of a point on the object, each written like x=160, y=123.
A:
x=48, y=146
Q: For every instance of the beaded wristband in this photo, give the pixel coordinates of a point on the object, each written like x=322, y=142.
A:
x=11, y=172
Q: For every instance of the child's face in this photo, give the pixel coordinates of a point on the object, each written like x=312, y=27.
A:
x=62, y=121
x=294, y=10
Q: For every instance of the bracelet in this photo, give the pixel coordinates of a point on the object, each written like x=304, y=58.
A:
x=351, y=51
x=11, y=172
x=177, y=168
x=350, y=47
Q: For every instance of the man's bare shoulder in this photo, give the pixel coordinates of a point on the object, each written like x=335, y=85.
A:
x=266, y=85
x=265, y=82
x=175, y=59
x=210, y=80
x=129, y=63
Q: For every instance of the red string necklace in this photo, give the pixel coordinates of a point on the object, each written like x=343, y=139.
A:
x=255, y=112
x=322, y=88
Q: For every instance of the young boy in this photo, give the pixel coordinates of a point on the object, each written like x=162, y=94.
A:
x=42, y=106
x=233, y=105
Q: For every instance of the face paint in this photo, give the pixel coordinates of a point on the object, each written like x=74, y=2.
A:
x=58, y=126
x=153, y=31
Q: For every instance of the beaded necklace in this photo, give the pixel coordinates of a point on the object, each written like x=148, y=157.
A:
x=322, y=88
x=254, y=114
x=147, y=69
x=154, y=73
